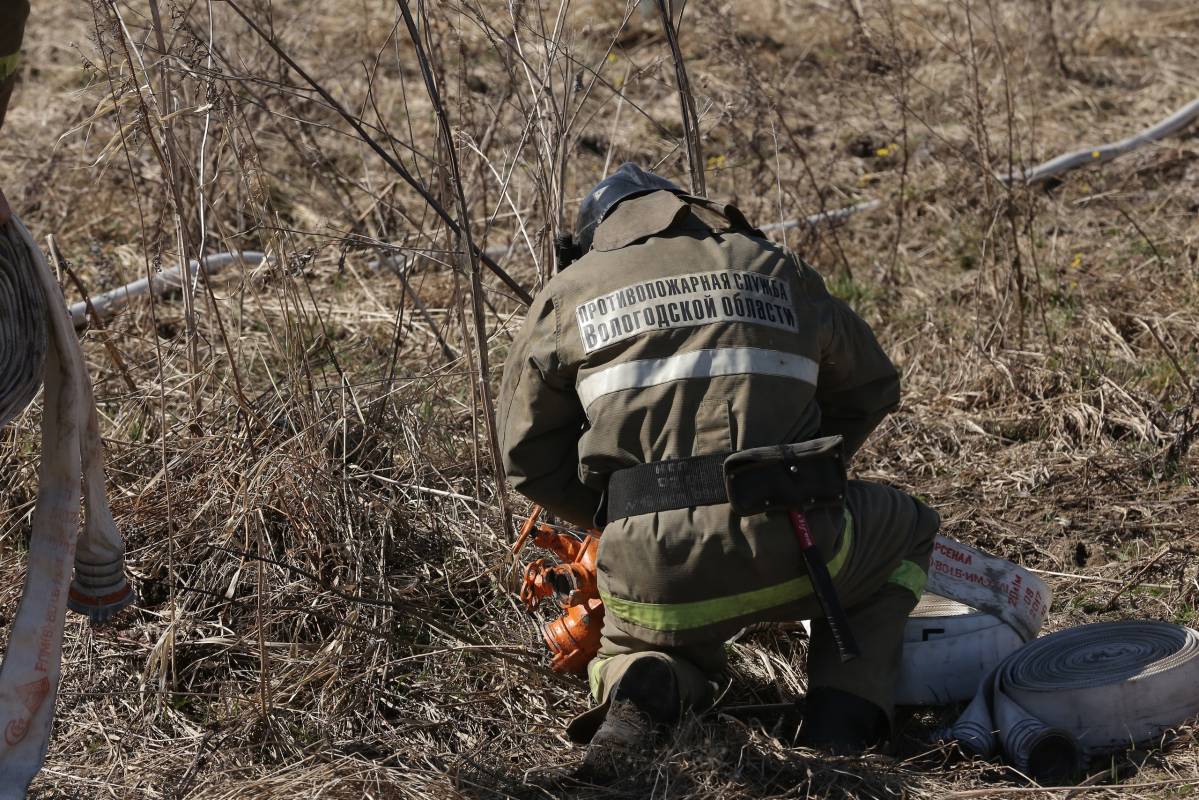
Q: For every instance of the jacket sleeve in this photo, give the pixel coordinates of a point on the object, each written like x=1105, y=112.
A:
x=540, y=420
x=858, y=385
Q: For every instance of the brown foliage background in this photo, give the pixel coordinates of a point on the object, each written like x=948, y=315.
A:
x=298, y=451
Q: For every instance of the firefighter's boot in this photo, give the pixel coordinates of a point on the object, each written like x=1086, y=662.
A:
x=644, y=701
x=842, y=723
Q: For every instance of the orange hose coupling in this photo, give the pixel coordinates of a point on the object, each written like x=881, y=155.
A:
x=574, y=637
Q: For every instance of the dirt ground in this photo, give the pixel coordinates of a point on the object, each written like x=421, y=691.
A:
x=299, y=454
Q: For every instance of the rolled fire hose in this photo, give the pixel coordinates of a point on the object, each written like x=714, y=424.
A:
x=37, y=342
x=1083, y=692
x=23, y=336
x=948, y=648
x=977, y=609
x=1048, y=704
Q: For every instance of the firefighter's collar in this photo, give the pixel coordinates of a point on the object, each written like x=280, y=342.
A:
x=653, y=213
x=637, y=218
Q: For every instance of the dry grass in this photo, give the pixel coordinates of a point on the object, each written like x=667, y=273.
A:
x=303, y=474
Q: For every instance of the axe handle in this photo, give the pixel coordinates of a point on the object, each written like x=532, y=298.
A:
x=822, y=585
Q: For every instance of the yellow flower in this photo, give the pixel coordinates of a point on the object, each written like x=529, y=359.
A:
x=612, y=58
x=1077, y=262
x=716, y=162
x=886, y=150
x=1095, y=154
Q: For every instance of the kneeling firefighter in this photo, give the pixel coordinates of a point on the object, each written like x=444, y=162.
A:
x=692, y=388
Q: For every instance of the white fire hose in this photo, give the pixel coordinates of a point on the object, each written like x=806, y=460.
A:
x=1083, y=692
x=110, y=302
x=1051, y=703
x=37, y=342
x=976, y=611
x=948, y=648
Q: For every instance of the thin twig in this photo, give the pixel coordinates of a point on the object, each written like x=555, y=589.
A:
x=473, y=252
x=61, y=264
x=691, y=132
x=399, y=168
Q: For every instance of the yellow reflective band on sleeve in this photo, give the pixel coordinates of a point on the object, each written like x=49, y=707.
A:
x=697, y=614
x=8, y=65
x=594, y=670
x=909, y=576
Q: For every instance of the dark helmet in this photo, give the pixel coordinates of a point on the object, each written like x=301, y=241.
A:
x=628, y=181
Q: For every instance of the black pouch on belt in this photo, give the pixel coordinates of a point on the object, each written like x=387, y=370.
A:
x=806, y=476
x=797, y=479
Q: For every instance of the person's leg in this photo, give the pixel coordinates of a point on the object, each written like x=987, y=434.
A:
x=640, y=689
x=673, y=679
x=13, y=14
x=850, y=705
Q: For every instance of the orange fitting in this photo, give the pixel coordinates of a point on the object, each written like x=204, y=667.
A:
x=534, y=588
x=572, y=581
x=574, y=637
x=531, y=524
x=570, y=584
x=563, y=545
x=577, y=580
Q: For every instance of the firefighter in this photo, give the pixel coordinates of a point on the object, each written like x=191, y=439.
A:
x=678, y=336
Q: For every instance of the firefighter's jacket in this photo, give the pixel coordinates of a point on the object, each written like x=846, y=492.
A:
x=685, y=332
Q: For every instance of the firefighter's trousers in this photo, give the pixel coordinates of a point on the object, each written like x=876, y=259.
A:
x=878, y=586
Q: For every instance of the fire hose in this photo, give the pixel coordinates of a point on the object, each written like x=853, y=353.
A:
x=1045, y=704
x=108, y=303
x=37, y=342
x=948, y=648
x=1083, y=692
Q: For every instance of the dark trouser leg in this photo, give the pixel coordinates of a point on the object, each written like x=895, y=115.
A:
x=878, y=626
x=13, y=14
x=640, y=688
x=893, y=538
x=691, y=670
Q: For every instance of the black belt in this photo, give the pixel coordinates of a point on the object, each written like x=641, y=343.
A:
x=801, y=476
x=666, y=485
x=795, y=478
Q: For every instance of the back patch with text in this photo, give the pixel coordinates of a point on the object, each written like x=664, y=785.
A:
x=682, y=301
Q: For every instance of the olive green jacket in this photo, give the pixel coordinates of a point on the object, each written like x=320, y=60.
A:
x=685, y=332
